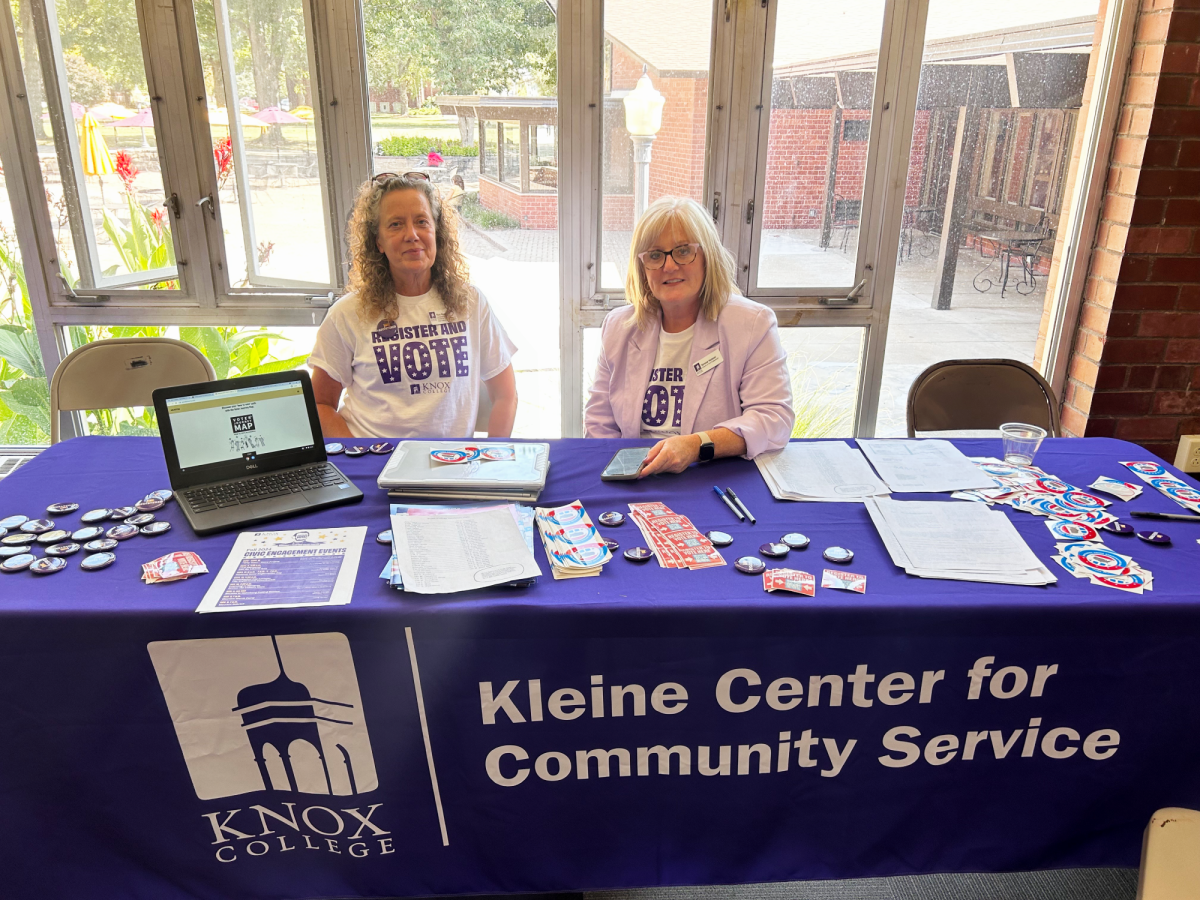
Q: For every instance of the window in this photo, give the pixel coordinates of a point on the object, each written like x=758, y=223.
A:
x=489, y=163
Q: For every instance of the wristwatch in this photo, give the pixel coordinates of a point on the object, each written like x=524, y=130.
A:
x=707, y=448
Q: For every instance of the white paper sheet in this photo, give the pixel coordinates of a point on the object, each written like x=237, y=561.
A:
x=960, y=541
x=287, y=569
x=924, y=466
x=450, y=552
x=827, y=471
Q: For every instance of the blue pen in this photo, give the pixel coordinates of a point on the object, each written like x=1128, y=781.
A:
x=729, y=503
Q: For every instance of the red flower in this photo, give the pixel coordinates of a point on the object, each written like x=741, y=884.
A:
x=223, y=155
x=157, y=217
x=126, y=170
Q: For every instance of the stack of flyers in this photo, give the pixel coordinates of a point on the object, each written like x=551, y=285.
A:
x=844, y=581
x=1158, y=477
x=172, y=567
x=1122, y=490
x=673, y=538
x=1100, y=565
x=573, y=547
x=522, y=514
x=789, y=580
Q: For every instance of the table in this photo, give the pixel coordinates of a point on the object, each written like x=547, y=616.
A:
x=1004, y=246
x=97, y=800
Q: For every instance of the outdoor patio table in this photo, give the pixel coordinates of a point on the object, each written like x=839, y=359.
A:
x=645, y=727
x=1004, y=246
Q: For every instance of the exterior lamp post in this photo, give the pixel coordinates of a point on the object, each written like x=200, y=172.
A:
x=643, y=118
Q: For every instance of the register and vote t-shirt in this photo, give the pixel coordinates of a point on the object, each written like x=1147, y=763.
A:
x=418, y=375
x=662, y=406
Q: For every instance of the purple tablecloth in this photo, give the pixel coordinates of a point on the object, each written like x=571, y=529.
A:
x=134, y=766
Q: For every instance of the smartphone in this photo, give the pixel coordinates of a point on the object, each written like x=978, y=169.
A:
x=625, y=464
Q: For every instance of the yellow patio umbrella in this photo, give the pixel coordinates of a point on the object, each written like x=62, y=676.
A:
x=94, y=152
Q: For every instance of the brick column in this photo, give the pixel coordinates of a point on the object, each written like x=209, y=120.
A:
x=1135, y=365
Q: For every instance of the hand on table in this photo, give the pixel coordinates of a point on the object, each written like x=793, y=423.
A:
x=671, y=455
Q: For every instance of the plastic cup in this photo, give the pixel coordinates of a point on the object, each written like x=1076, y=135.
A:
x=1021, y=442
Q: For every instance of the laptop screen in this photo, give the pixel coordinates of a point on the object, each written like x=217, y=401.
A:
x=239, y=424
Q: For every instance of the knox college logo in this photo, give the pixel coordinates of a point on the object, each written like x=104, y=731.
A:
x=278, y=713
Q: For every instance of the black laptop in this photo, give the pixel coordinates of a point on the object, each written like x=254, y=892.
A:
x=245, y=450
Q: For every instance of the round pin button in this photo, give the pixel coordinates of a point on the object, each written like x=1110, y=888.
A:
x=794, y=540
x=335, y=448
x=140, y=519
x=13, y=522
x=53, y=537
x=1119, y=528
x=638, y=554
x=87, y=534
x=384, y=537
x=20, y=539
x=6, y=552
x=48, y=565
x=612, y=519
x=100, y=545
x=66, y=548
x=149, y=504
x=774, y=551
x=121, y=532
x=164, y=495
x=18, y=563
x=1154, y=537
x=3, y=532
x=719, y=538
x=838, y=555
x=381, y=448
x=92, y=516
x=122, y=512
x=612, y=545
x=61, y=509
x=155, y=528
x=356, y=451
x=37, y=526
x=97, y=561
x=751, y=565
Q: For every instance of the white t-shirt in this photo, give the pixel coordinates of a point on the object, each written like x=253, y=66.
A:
x=662, y=406
x=416, y=376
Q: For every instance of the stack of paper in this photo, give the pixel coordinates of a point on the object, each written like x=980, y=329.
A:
x=829, y=471
x=673, y=538
x=461, y=549
x=523, y=516
x=925, y=466
x=960, y=541
x=1100, y=565
x=450, y=470
x=572, y=544
x=1029, y=489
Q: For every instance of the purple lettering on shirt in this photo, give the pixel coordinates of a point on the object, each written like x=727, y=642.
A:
x=655, y=406
x=417, y=361
x=388, y=360
x=677, y=397
x=441, y=347
x=462, y=366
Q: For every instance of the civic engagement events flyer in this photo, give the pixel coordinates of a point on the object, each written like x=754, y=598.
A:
x=287, y=569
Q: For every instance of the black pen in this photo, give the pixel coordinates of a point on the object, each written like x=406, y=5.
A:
x=742, y=506
x=729, y=503
x=1177, y=517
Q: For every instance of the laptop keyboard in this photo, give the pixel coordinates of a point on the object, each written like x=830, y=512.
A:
x=261, y=487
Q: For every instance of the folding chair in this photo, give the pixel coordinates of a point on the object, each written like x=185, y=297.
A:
x=976, y=394
x=1170, y=867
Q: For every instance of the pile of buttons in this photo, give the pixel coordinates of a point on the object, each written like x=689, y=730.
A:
x=99, y=533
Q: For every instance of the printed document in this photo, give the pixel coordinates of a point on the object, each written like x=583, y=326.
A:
x=830, y=471
x=460, y=551
x=924, y=466
x=287, y=569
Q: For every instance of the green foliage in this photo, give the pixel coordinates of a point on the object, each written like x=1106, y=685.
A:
x=819, y=413
x=417, y=145
x=429, y=109
x=478, y=214
x=105, y=34
x=87, y=83
x=146, y=244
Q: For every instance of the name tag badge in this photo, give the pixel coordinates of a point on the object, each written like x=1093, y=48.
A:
x=711, y=361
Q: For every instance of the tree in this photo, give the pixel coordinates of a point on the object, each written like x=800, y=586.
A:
x=85, y=80
x=104, y=33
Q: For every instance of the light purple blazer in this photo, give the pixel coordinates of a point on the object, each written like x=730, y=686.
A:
x=749, y=392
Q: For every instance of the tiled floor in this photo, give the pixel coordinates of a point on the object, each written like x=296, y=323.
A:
x=521, y=281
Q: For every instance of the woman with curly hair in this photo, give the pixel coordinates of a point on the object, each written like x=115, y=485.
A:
x=411, y=342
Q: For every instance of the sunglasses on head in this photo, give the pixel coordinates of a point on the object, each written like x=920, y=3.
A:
x=385, y=177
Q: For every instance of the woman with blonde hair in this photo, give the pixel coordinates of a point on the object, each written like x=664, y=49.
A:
x=411, y=342
x=689, y=363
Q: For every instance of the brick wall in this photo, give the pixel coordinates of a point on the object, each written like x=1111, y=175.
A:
x=1135, y=365
x=533, y=211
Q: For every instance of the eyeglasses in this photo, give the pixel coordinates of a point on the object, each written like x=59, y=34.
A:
x=656, y=259
x=385, y=177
